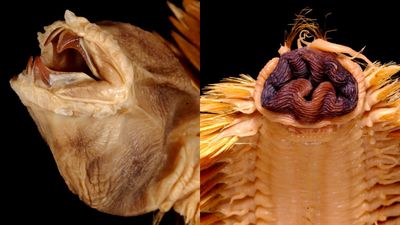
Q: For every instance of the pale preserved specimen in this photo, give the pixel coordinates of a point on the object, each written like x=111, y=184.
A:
x=120, y=115
x=314, y=140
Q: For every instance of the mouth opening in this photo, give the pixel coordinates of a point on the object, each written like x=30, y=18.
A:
x=310, y=85
x=69, y=56
x=71, y=60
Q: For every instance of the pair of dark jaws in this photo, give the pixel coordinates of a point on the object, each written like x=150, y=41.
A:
x=310, y=85
x=68, y=56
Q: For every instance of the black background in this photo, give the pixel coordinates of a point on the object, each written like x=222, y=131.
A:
x=241, y=36
x=237, y=37
x=31, y=186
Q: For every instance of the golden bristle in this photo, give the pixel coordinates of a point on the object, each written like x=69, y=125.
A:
x=303, y=26
x=187, y=23
x=380, y=74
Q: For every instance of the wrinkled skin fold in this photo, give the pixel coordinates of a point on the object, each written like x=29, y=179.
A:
x=310, y=85
x=119, y=114
x=313, y=140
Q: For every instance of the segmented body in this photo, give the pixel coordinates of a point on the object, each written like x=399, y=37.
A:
x=257, y=169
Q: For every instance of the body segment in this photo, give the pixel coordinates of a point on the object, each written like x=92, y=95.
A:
x=263, y=162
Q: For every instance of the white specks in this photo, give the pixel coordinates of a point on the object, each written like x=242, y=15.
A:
x=64, y=111
x=312, y=143
x=60, y=80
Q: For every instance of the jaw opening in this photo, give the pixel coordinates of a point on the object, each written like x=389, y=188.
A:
x=68, y=62
x=310, y=85
x=81, y=71
x=353, y=94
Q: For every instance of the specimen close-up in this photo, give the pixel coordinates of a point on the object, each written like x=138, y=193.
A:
x=315, y=139
x=120, y=114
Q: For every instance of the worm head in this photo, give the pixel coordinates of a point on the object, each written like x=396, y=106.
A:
x=81, y=71
x=106, y=97
x=313, y=86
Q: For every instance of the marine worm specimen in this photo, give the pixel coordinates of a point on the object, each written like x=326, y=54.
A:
x=120, y=115
x=314, y=140
x=327, y=88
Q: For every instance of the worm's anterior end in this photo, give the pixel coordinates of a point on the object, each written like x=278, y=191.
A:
x=310, y=85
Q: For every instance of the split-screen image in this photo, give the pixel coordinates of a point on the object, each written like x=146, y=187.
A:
x=199, y=112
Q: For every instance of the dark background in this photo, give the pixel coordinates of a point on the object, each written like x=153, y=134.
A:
x=241, y=36
x=31, y=186
x=237, y=37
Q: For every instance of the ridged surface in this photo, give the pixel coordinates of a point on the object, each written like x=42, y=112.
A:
x=341, y=175
x=254, y=171
x=265, y=167
x=314, y=178
x=383, y=174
